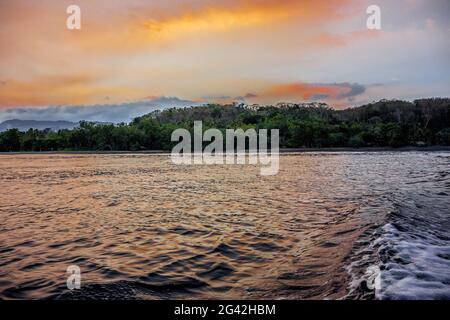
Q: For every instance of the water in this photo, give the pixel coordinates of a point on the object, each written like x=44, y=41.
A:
x=328, y=226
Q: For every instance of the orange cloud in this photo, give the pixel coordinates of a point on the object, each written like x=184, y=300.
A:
x=150, y=26
x=58, y=90
x=304, y=91
x=214, y=18
x=301, y=91
x=122, y=46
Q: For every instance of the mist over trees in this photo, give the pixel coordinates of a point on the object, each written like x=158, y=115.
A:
x=381, y=124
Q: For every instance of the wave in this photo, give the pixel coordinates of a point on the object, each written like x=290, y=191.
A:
x=407, y=257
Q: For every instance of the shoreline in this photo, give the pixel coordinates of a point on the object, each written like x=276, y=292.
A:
x=282, y=150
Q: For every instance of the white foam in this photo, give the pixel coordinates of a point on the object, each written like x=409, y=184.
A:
x=419, y=268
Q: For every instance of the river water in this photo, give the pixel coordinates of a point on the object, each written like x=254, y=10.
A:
x=327, y=226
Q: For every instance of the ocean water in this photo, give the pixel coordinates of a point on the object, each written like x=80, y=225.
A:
x=327, y=226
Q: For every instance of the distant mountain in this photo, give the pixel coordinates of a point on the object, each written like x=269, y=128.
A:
x=24, y=125
x=115, y=113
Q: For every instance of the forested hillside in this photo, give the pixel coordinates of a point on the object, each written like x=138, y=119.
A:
x=381, y=124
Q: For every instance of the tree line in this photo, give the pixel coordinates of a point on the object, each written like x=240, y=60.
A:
x=381, y=124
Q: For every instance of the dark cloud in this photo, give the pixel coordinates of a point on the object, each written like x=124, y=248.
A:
x=319, y=97
x=355, y=89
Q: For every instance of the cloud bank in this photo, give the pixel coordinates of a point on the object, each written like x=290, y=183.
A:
x=115, y=113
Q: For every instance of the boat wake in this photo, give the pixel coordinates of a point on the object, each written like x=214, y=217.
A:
x=407, y=257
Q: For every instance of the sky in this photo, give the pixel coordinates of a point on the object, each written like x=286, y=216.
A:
x=128, y=53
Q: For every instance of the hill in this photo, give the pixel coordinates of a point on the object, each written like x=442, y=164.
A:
x=381, y=124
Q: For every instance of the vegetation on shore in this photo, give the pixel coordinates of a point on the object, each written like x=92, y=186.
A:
x=382, y=124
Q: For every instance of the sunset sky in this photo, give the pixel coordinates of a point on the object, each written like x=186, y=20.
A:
x=254, y=51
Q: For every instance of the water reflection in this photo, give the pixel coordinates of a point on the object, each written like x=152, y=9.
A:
x=140, y=227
